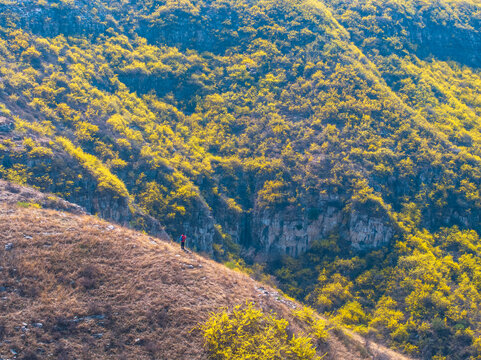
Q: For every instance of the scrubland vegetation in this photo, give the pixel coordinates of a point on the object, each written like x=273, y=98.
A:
x=234, y=109
x=248, y=333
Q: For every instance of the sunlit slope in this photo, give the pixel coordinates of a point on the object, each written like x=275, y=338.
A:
x=74, y=286
x=211, y=115
x=429, y=53
x=337, y=140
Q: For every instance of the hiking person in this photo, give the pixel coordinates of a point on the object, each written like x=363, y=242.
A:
x=182, y=241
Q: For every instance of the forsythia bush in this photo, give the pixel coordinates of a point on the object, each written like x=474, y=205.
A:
x=248, y=333
x=317, y=325
x=106, y=180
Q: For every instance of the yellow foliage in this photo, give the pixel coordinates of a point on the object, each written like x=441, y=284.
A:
x=317, y=325
x=248, y=333
x=18, y=174
x=106, y=180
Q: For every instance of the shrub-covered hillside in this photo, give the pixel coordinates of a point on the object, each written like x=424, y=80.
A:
x=260, y=122
x=322, y=136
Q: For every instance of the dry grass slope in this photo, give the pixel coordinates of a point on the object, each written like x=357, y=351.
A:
x=75, y=287
x=11, y=193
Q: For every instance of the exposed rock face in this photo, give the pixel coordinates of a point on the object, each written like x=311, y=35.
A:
x=200, y=230
x=6, y=125
x=119, y=210
x=428, y=31
x=43, y=19
x=292, y=231
x=106, y=206
x=367, y=232
x=451, y=43
x=284, y=231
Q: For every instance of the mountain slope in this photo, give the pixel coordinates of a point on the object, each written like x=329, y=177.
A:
x=335, y=142
x=73, y=285
x=260, y=123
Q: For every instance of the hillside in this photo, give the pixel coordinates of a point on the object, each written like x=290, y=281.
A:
x=260, y=123
x=73, y=286
x=335, y=145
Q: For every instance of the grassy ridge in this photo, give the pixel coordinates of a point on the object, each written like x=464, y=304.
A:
x=73, y=285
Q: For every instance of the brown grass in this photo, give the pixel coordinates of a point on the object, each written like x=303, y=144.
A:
x=103, y=293
x=15, y=194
